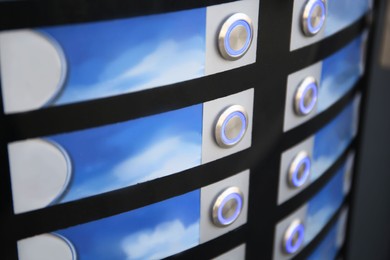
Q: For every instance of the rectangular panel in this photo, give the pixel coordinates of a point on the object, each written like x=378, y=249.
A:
x=336, y=15
x=64, y=64
x=237, y=253
x=307, y=161
x=66, y=167
x=298, y=229
x=331, y=78
x=153, y=232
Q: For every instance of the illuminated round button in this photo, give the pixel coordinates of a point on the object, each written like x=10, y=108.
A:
x=293, y=237
x=300, y=169
x=227, y=207
x=306, y=96
x=235, y=36
x=231, y=126
x=313, y=17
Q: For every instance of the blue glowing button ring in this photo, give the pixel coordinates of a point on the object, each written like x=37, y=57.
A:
x=313, y=17
x=300, y=169
x=306, y=97
x=293, y=237
x=235, y=36
x=227, y=207
x=231, y=126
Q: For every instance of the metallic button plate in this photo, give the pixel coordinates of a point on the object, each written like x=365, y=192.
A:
x=313, y=17
x=235, y=36
x=231, y=126
x=227, y=207
x=299, y=170
x=293, y=237
x=306, y=96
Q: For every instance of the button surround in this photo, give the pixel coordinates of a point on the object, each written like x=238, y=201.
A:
x=235, y=36
x=314, y=9
x=297, y=177
x=306, y=96
x=293, y=237
x=228, y=195
x=231, y=126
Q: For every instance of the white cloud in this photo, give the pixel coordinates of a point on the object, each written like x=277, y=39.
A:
x=316, y=222
x=169, y=63
x=320, y=165
x=172, y=155
x=166, y=239
x=169, y=156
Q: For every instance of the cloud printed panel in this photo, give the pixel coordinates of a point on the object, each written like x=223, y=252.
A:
x=121, y=56
x=323, y=148
x=340, y=72
x=332, y=140
x=65, y=64
x=106, y=158
x=342, y=13
x=152, y=232
x=322, y=207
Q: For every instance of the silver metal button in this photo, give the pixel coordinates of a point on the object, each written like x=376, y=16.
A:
x=306, y=96
x=227, y=207
x=231, y=126
x=235, y=36
x=293, y=237
x=300, y=170
x=313, y=17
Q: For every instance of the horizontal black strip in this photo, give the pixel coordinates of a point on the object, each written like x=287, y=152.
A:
x=311, y=54
x=309, y=192
x=308, y=249
x=33, y=13
x=303, y=131
x=215, y=247
x=111, y=203
x=98, y=112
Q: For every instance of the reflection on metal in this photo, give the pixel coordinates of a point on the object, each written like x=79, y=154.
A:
x=227, y=207
x=313, y=17
x=306, y=96
x=231, y=126
x=235, y=36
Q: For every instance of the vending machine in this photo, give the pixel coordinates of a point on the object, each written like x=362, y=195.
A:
x=209, y=129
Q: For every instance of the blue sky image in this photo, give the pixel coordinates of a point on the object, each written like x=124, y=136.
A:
x=152, y=232
x=325, y=203
x=111, y=157
x=328, y=248
x=332, y=140
x=343, y=13
x=340, y=72
x=120, y=56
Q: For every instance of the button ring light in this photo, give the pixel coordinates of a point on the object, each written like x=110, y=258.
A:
x=306, y=96
x=299, y=170
x=313, y=17
x=227, y=207
x=231, y=126
x=235, y=36
x=293, y=237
